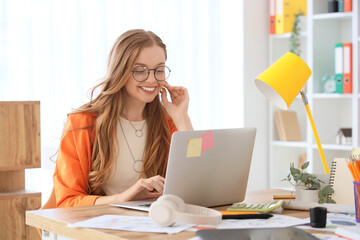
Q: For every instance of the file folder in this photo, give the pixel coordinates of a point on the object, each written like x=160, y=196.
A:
x=285, y=14
x=280, y=26
x=341, y=5
x=272, y=16
x=339, y=67
x=347, y=5
x=347, y=77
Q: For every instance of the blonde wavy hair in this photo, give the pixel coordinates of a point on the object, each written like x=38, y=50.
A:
x=108, y=106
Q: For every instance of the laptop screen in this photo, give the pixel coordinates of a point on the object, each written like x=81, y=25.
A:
x=210, y=167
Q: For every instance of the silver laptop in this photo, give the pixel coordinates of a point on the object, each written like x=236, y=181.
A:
x=207, y=168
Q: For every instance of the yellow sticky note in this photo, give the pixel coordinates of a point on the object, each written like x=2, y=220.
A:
x=194, y=147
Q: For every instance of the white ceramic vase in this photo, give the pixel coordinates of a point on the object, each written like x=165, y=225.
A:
x=298, y=192
x=308, y=195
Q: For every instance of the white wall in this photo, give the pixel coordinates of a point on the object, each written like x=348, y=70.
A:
x=255, y=60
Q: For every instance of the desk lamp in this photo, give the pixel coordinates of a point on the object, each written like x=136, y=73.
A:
x=282, y=82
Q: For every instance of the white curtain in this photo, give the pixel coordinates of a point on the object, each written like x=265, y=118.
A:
x=56, y=50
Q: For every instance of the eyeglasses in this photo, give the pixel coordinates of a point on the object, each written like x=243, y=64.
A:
x=141, y=73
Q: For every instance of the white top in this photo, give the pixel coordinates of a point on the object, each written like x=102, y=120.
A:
x=123, y=174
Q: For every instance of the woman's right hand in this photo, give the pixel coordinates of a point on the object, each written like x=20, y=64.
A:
x=144, y=188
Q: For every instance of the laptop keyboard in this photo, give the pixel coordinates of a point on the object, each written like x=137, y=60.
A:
x=145, y=205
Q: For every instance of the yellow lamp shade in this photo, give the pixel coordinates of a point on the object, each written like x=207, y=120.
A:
x=283, y=80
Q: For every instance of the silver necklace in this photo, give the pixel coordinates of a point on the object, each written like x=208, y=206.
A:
x=138, y=132
x=138, y=164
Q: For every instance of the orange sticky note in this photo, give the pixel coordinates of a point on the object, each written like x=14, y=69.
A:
x=194, y=147
x=207, y=140
x=236, y=213
x=204, y=228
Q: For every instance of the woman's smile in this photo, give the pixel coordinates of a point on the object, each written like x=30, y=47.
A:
x=148, y=89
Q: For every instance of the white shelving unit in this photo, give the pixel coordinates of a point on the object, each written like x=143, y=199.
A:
x=330, y=111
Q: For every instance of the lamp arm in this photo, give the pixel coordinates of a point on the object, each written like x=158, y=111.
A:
x=304, y=98
x=306, y=103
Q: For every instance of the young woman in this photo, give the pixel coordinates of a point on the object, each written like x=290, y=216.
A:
x=115, y=147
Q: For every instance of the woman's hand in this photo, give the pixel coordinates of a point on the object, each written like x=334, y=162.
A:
x=178, y=107
x=144, y=188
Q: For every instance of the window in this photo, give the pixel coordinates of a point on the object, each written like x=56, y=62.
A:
x=56, y=50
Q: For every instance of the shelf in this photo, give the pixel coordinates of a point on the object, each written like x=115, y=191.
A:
x=322, y=30
x=19, y=194
x=314, y=146
x=332, y=96
x=285, y=35
x=290, y=144
x=335, y=147
x=330, y=16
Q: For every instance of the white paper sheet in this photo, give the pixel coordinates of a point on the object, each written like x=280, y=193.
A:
x=276, y=221
x=323, y=236
x=129, y=223
x=334, y=220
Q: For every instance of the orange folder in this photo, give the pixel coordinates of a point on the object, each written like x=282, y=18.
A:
x=347, y=5
x=347, y=68
x=272, y=16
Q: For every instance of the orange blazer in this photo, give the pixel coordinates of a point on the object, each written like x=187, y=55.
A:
x=73, y=163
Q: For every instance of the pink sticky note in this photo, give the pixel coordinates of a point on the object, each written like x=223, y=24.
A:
x=207, y=140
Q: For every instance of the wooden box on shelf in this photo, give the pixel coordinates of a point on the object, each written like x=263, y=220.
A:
x=287, y=125
x=20, y=149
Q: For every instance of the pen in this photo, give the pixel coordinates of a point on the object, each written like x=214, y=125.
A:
x=248, y=216
x=278, y=196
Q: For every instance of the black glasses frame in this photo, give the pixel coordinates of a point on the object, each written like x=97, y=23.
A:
x=154, y=69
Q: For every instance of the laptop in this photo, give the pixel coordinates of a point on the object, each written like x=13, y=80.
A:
x=206, y=167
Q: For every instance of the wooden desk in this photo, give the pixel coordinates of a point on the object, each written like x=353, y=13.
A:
x=56, y=220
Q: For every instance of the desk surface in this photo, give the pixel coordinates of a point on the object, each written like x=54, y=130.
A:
x=56, y=220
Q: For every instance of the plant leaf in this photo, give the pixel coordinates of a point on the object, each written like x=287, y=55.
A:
x=305, y=165
x=315, y=185
x=330, y=201
x=294, y=171
x=305, y=177
x=297, y=178
x=328, y=190
x=321, y=194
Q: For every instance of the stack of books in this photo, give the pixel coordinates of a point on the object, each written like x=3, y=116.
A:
x=340, y=5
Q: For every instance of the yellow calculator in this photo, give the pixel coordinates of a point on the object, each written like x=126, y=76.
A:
x=255, y=207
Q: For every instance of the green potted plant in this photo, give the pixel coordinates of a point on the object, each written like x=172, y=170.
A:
x=295, y=35
x=308, y=186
